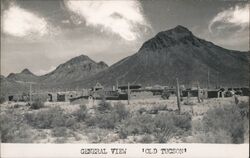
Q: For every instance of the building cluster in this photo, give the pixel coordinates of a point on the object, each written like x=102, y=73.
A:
x=127, y=92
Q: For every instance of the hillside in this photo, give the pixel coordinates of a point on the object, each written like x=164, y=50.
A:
x=24, y=76
x=78, y=68
x=160, y=60
x=178, y=53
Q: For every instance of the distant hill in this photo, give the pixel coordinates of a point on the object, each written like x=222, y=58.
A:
x=24, y=76
x=170, y=54
x=78, y=68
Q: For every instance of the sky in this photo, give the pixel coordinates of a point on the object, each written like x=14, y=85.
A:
x=41, y=34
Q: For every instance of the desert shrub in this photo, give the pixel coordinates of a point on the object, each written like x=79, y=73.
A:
x=146, y=139
x=162, y=107
x=138, y=124
x=107, y=116
x=123, y=133
x=219, y=136
x=7, y=127
x=183, y=121
x=128, y=127
x=165, y=95
x=37, y=104
x=244, y=109
x=142, y=110
x=60, y=132
x=121, y=111
x=2, y=99
x=163, y=126
x=145, y=123
x=91, y=121
x=16, y=105
x=227, y=119
x=153, y=110
x=106, y=120
x=61, y=140
x=156, y=109
x=104, y=106
x=97, y=135
x=46, y=119
x=171, y=124
x=81, y=113
x=12, y=129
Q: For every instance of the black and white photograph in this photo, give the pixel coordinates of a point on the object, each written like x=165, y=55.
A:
x=124, y=72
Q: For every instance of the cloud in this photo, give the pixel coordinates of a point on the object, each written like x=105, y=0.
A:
x=234, y=18
x=124, y=18
x=20, y=22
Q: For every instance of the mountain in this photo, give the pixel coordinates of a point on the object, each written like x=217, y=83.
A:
x=24, y=76
x=9, y=86
x=171, y=54
x=177, y=53
x=78, y=68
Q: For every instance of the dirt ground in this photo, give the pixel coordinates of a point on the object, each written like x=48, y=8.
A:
x=97, y=135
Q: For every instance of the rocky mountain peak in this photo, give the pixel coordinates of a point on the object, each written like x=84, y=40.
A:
x=172, y=37
x=79, y=59
x=102, y=64
x=27, y=72
x=180, y=29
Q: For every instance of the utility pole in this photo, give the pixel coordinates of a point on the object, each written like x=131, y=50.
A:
x=117, y=85
x=30, y=92
x=217, y=82
x=198, y=89
x=128, y=92
x=178, y=95
x=208, y=80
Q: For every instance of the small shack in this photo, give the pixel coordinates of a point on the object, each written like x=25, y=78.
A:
x=61, y=97
x=52, y=97
x=131, y=87
x=97, y=87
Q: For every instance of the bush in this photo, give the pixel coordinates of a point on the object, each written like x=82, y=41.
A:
x=183, y=121
x=121, y=111
x=104, y=107
x=2, y=100
x=162, y=126
x=81, y=113
x=37, y=104
x=146, y=139
x=60, y=132
x=154, y=110
x=165, y=95
x=142, y=110
x=227, y=119
x=139, y=124
x=107, y=121
x=17, y=106
x=46, y=119
x=107, y=116
x=11, y=129
x=244, y=109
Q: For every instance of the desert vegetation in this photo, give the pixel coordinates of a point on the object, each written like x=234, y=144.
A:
x=215, y=121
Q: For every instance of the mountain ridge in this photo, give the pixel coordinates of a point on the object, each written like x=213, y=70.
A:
x=174, y=50
x=160, y=60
